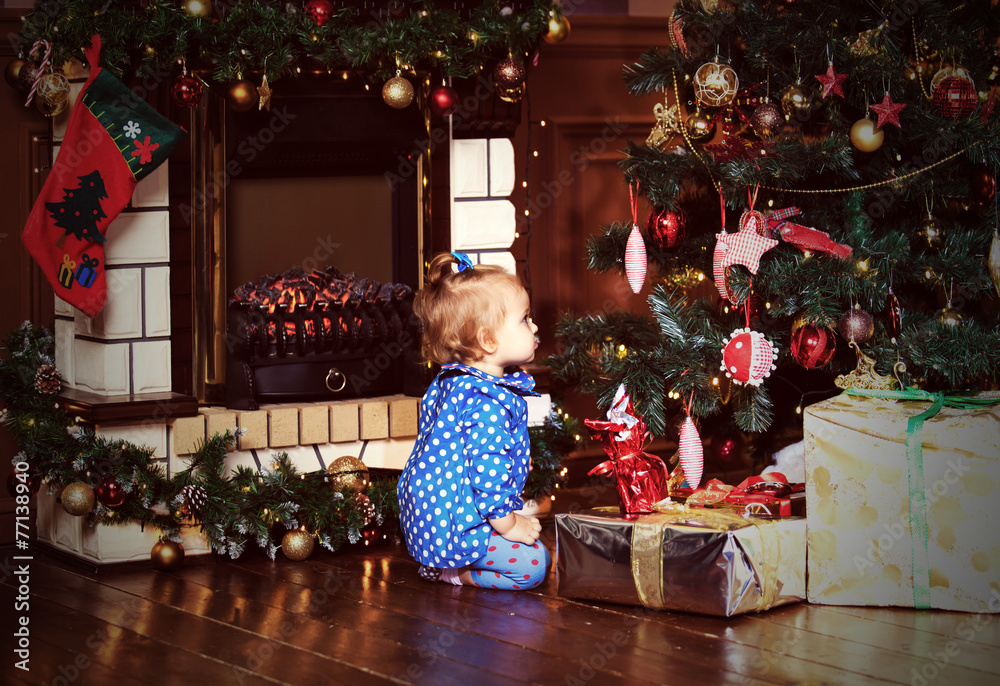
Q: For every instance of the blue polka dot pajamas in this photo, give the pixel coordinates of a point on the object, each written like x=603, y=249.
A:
x=468, y=466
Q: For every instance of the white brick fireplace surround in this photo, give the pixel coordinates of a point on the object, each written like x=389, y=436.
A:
x=123, y=356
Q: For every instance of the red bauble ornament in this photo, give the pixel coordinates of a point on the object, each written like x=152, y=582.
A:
x=982, y=184
x=895, y=311
x=319, y=10
x=748, y=357
x=509, y=73
x=724, y=451
x=443, y=101
x=955, y=97
x=812, y=346
x=109, y=493
x=186, y=91
x=32, y=483
x=666, y=227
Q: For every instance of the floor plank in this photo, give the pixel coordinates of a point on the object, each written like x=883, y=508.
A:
x=363, y=616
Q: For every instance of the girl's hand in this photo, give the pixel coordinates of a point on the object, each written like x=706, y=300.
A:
x=518, y=528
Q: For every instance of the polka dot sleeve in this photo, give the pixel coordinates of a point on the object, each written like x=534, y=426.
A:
x=492, y=457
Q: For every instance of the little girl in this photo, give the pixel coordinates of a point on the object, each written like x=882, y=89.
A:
x=462, y=484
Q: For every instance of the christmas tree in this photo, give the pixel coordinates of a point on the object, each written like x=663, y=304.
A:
x=80, y=210
x=830, y=167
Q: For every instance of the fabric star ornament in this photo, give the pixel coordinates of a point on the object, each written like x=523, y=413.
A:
x=113, y=140
x=831, y=81
x=744, y=247
x=888, y=111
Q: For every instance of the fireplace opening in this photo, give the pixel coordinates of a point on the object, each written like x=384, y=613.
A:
x=330, y=181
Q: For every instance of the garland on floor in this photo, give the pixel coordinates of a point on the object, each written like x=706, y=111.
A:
x=115, y=482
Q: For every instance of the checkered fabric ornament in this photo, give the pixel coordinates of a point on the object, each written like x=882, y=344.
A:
x=744, y=247
x=691, y=452
x=635, y=260
x=748, y=357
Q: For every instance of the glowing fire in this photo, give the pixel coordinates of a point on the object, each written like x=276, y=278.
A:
x=315, y=292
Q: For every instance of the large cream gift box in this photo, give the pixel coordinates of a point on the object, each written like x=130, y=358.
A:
x=862, y=511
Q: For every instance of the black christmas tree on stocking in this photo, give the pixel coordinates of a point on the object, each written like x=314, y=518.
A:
x=80, y=209
x=113, y=140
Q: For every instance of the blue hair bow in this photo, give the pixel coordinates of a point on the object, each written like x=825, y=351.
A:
x=463, y=261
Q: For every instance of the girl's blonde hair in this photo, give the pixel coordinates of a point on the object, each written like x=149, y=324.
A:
x=454, y=307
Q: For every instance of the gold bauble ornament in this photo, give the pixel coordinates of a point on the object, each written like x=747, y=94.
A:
x=715, y=84
x=698, y=125
x=242, y=95
x=949, y=316
x=930, y=235
x=798, y=101
x=348, y=473
x=78, y=498
x=397, y=92
x=11, y=72
x=167, y=555
x=297, y=545
x=52, y=94
x=993, y=262
x=197, y=8
x=558, y=29
x=865, y=136
x=511, y=94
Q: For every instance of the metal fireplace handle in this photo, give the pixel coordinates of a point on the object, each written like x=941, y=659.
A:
x=333, y=374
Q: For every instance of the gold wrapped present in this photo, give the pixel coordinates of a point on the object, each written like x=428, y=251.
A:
x=904, y=500
x=694, y=560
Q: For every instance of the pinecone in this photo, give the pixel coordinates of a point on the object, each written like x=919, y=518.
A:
x=194, y=496
x=365, y=507
x=47, y=380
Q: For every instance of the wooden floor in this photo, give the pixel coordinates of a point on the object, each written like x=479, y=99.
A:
x=363, y=616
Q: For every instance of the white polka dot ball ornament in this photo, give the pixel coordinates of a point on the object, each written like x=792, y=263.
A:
x=635, y=260
x=748, y=357
x=691, y=453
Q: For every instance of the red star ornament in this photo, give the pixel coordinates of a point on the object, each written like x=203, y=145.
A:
x=888, y=111
x=831, y=81
x=743, y=247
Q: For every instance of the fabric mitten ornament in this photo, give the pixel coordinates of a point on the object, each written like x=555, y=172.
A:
x=113, y=139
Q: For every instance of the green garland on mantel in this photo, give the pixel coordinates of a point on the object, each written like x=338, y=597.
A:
x=278, y=37
x=247, y=505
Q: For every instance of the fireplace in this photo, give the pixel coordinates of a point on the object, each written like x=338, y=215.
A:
x=329, y=182
x=320, y=336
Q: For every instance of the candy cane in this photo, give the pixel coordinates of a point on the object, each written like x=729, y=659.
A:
x=41, y=42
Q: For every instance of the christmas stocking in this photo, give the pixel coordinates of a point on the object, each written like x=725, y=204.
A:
x=113, y=139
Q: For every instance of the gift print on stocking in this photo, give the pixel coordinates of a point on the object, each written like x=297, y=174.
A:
x=113, y=140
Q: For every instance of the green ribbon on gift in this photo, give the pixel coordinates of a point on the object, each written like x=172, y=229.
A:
x=919, y=536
